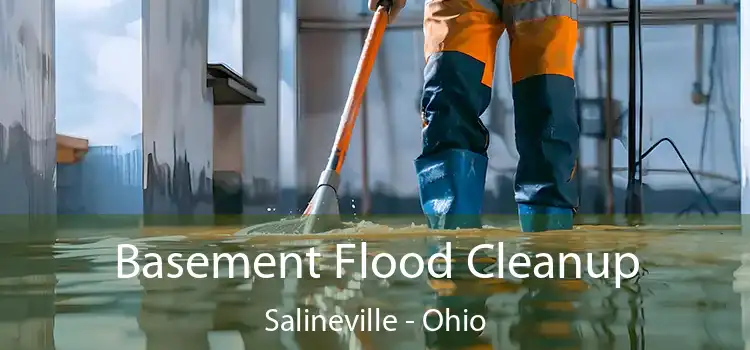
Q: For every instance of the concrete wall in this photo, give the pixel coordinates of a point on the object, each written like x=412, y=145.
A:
x=273, y=165
x=27, y=171
x=177, y=108
x=261, y=122
x=27, y=113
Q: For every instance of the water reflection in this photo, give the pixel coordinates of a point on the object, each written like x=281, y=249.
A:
x=574, y=312
x=742, y=286
x=27, y=295
x=177, y=313
x=549, y=311
x=685, y=301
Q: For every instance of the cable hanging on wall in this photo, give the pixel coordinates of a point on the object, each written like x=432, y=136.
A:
x=635, y=119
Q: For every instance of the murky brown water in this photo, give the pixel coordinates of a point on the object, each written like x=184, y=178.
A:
x=67, y=296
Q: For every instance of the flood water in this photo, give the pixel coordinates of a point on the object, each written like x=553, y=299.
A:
x=67, y=295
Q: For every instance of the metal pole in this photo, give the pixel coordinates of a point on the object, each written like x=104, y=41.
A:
x=698, y=97
x=632, y=203
x=605, y=147
x=366, y=198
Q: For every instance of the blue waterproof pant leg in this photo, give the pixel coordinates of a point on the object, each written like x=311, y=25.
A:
x=547, y=142
x=453, y=165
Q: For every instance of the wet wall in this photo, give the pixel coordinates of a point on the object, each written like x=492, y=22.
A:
x=27, y=114
x=706, y=134
x=273, y=151
x=177, y=110
x=27, y=173
x=261, y=122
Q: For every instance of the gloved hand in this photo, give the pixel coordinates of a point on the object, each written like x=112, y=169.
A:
x=395, y=7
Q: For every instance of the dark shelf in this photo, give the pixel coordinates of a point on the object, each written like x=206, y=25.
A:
x=230, y=88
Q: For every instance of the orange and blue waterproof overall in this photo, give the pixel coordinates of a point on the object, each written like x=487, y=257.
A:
x=461, y=38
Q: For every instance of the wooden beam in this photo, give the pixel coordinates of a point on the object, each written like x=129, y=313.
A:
x=71, y=149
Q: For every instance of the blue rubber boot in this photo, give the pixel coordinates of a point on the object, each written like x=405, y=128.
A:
x=547, y=138
x=537, y=218
x=451, y=188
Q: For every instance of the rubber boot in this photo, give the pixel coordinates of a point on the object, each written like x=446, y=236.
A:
x=537, y=218
x=451, y=188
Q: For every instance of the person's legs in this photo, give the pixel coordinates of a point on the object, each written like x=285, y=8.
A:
x=460, y=42
x=544, y=34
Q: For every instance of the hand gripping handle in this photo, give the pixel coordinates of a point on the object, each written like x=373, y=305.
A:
x=387, y=4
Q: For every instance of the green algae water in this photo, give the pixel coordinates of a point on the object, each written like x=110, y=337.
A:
x=690, y=293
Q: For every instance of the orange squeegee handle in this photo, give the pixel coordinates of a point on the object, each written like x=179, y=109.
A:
x=357, y=89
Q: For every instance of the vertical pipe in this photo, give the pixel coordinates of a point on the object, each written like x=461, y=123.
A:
x=288, y=107
x=366, y=197
x=576, y=72
x=744, y=25
x=699, y=35
x=633, y=208
x=609, y=187
x=605, y=200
